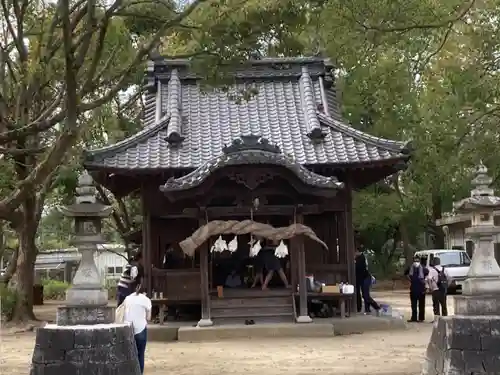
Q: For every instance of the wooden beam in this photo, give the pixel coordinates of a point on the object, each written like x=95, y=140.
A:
x=270, y=210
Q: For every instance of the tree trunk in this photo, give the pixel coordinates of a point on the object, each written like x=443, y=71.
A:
x=437, y=212
x=23, y=279
x=405, y=239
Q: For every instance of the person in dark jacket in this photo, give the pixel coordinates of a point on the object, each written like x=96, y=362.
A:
x=364, y=284
x=131, y=276
x=416, y=274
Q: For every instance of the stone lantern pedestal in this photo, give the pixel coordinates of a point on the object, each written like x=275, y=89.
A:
x=85, y=340
x=469, y=341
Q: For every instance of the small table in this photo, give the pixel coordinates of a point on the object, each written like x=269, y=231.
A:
x=342, y=298
x=162, y=304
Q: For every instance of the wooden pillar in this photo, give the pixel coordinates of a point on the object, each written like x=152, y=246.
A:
x=350, y=245
x=205, y=320
x=146, y=248
x=293, y=263
x=301, y=257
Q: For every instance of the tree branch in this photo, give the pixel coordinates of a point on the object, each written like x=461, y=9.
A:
x=433, y=25
x=22, y=151
x=120, y=226
x=11, y=267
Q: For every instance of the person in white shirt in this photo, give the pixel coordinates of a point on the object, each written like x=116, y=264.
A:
x=437, y=284
x=137, y=313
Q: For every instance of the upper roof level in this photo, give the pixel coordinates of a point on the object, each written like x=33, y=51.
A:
x=291, y=102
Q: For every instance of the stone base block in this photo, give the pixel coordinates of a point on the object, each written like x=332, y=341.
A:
x=304, y=319
x=205, y=323
x=85, y=315
x=481, y=285
x=76, y=296
x=106, y=349
x=464, y=345
x=477, y=305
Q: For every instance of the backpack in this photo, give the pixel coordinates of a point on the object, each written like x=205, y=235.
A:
x=442, y=282
x=120, y=314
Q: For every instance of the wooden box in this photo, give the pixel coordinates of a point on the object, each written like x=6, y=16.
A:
x=331, y=289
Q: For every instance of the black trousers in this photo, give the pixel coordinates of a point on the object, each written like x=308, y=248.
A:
x=359, y=291
x=417, y=306
x=439, y=303
x=363, y=293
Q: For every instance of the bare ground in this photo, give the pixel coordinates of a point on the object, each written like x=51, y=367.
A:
x=391, y=352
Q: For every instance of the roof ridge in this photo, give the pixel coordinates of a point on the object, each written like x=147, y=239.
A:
x=308, y=101
x=133, y=139
x=360, y=135
x=173, y=103
x=263, y=61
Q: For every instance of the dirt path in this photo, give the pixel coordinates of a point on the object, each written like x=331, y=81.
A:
x=398, y=352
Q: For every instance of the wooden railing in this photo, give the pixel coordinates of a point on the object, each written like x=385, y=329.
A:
x=177, y=285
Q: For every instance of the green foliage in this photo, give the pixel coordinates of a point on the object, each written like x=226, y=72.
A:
x=8, y=300
x=221, y=34
x=148, y=17
x=54, y=289
x=420, y=71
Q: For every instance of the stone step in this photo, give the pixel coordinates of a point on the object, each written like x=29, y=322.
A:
x=265, y=312
x=258, y=320
x=264, y=330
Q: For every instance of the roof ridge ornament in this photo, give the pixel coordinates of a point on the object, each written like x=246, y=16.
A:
x=251, y=142
x=309, y=107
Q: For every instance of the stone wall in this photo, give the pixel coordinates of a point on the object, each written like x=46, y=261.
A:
x=102, y=349
x=464, y=345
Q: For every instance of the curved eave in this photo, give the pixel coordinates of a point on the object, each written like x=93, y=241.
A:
x=199, y=175
x=473, y=204
x=397, y=148
x=92, y=159
x=399, y=162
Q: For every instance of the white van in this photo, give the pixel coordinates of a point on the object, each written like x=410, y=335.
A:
x=456, y=262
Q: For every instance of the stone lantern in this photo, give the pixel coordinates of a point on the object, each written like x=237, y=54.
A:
x=467, y=342
x=85, y=339
x=86, y=299
x=484, y=272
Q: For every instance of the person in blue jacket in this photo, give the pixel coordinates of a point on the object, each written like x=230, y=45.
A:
x=416, y=274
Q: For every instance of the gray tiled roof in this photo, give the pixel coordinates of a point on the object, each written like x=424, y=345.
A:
x=293, y=99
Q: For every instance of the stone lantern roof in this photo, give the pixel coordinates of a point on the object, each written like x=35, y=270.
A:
x=482, y=195
x=86, y=203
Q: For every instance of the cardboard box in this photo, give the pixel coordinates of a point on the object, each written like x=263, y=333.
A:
x=331, y=289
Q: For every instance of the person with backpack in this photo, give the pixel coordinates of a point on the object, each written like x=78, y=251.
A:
x=437, y=283
x=131, y=276
x=416, y=274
